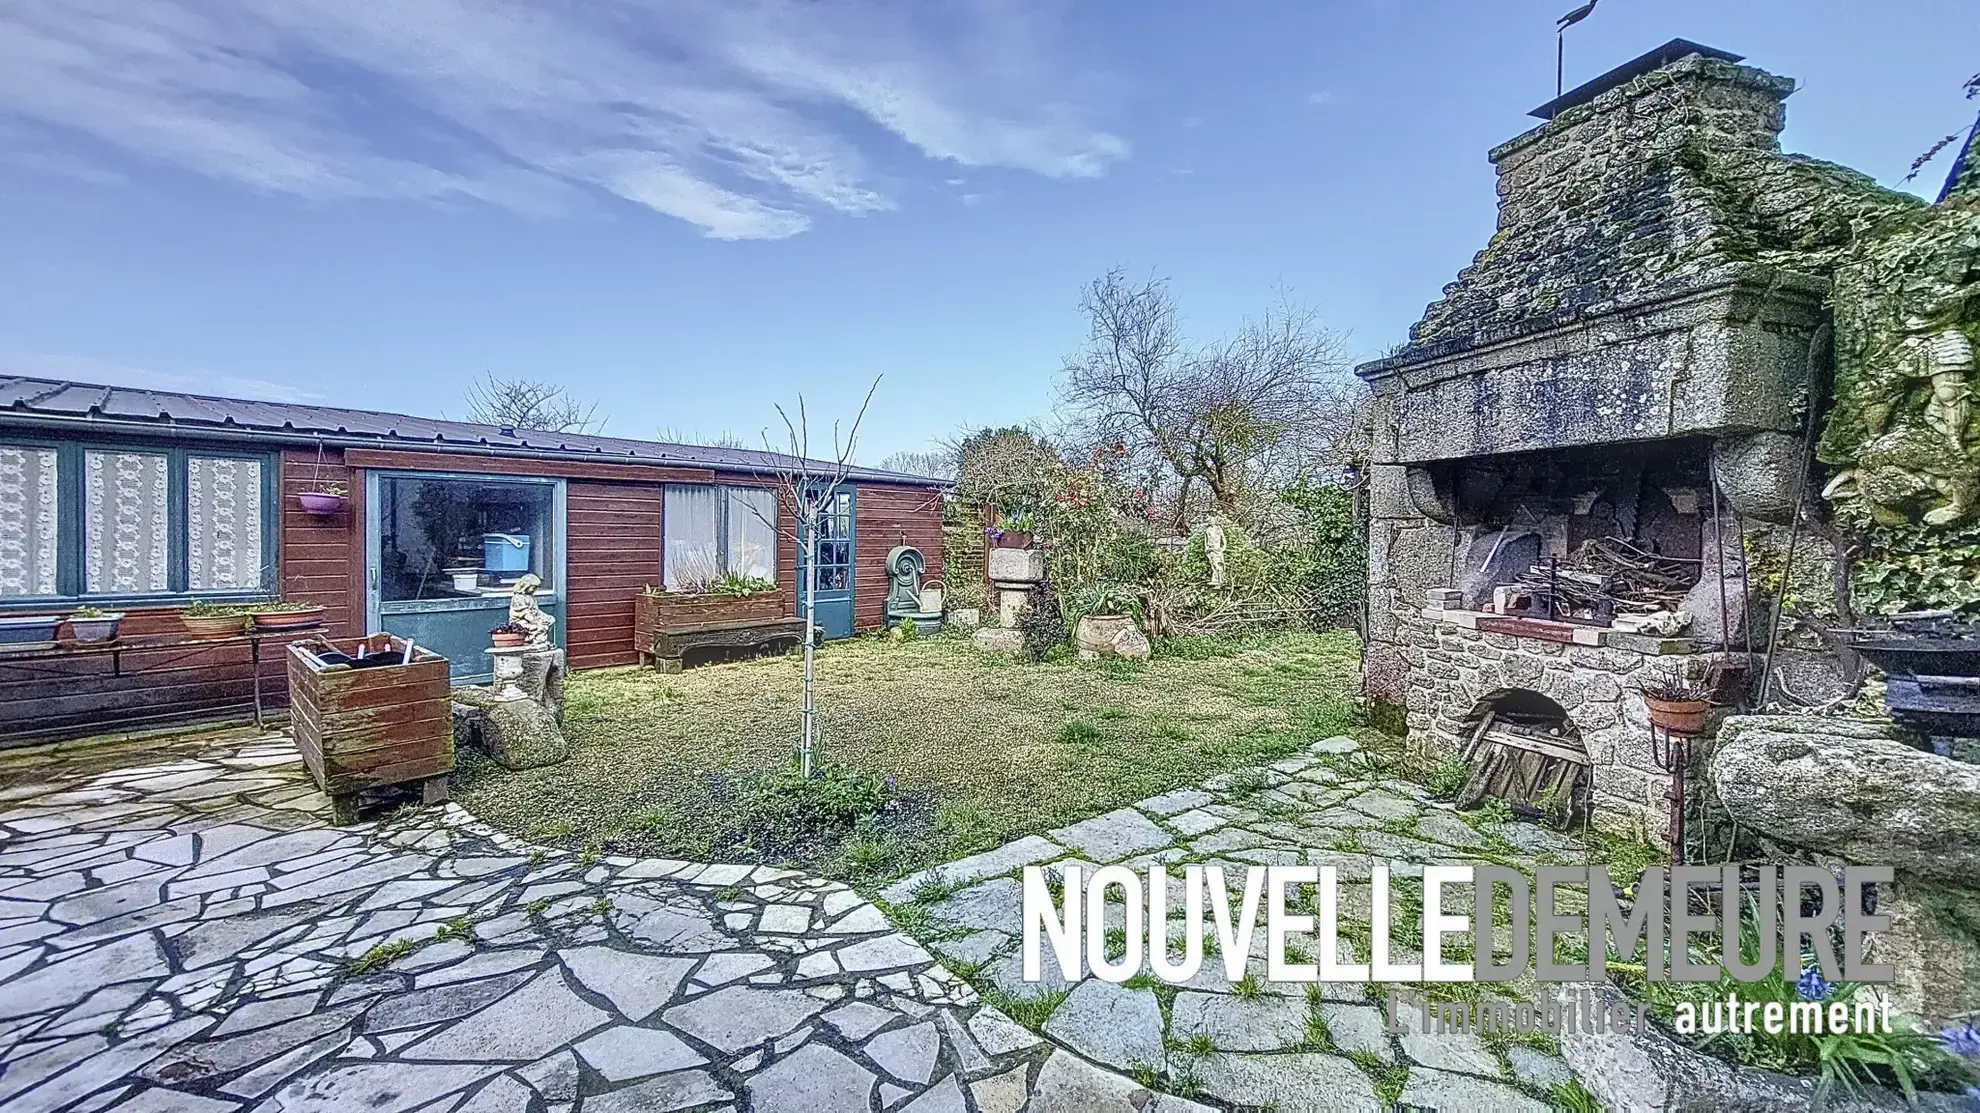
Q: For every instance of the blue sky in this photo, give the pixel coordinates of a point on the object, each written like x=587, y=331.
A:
x=690, y=211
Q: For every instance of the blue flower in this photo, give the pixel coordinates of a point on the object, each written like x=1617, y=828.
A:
x=1811, y=985
x=1963, y=1040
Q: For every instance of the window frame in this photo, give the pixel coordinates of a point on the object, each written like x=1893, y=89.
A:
x=722, y=523
x=70, y=504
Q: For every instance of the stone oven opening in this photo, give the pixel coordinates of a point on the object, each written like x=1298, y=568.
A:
x=1613, y=536
x=1525, y=750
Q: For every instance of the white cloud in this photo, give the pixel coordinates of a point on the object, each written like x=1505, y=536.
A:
x=82, y=369
x=746, y=118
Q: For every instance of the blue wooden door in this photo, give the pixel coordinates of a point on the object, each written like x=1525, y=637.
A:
x=833, y=527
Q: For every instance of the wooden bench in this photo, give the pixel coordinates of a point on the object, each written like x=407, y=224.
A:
x=671, y=644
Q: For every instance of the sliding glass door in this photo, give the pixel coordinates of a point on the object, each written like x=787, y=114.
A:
x=444, y=553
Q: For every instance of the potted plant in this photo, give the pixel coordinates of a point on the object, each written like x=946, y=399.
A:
x=506, y=636
x=1104, y=610
x=1681, y=702
x=322, y=503
x=284, y=615
x=1012, y=531
x=28, y=631
x=93, y=624
x=320, y=499
x=205, y=619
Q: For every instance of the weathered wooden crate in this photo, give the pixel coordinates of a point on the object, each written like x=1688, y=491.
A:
x=680, y=612
x=368, y=728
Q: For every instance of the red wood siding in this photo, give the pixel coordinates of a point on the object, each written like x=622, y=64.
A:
x=613, y=552
x=887, y=516
x=323, y=557
x=321, y=561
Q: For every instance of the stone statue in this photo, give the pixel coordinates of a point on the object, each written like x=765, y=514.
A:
x=1213, y=550
x=526, y=616
x=1918, y=466
x=1951, y=406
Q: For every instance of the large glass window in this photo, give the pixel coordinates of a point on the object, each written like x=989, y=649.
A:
x=446, y=538
x=102, y=521
x=711, y=531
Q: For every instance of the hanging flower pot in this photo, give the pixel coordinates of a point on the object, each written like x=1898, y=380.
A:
x=321, y=503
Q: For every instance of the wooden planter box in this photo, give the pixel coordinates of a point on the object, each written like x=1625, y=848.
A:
x=667, y=626
x=368, y=728
x=683, y=611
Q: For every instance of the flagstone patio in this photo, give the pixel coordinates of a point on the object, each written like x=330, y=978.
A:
x=181, y=931
x=1264, y=1043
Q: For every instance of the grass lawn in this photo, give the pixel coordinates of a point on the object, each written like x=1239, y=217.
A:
x=979, y=748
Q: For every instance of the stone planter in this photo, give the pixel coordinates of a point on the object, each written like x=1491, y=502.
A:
x=1017, y=566
x=1096, y=632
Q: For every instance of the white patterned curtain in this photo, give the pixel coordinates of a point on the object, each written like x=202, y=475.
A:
x=223, y=524
x=689, y=515
x=125, y=534
x=27, y=521
x=753, y=532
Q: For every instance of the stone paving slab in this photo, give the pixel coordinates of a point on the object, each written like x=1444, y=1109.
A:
x=1248, y=1042
x=181, y=932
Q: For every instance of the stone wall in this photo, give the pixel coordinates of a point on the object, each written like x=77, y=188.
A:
x=1456, y=668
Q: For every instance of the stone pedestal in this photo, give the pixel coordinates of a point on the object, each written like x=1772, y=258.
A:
x=518, y=719
x=1010, y=601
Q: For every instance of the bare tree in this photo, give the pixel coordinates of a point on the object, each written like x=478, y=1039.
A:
x=809, y=488
x=724, y=439
x=1269, y=401
x=530, y=404
x=934, y=465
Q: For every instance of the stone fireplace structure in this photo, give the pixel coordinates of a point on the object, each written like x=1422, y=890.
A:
x=1554, y=428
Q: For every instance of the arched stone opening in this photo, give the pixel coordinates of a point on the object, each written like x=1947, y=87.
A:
x=1525, y=750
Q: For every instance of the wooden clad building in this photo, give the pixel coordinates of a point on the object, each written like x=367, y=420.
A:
x=145, y=502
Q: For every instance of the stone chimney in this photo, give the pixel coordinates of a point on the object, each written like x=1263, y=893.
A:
x=1621, y=298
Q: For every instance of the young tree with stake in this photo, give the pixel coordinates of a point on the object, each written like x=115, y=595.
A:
x=809, y=487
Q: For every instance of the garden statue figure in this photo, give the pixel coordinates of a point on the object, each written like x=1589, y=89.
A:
x=1213, y=550
x=1951, y=406
x=526, y=616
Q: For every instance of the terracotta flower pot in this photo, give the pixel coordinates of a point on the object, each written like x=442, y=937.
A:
x=1014, y=539
x=285, y=620
x=320, y=503
x=1680, y=716
x=213, y=625
x=506, y=641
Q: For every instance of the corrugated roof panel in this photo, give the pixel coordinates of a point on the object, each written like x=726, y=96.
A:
x=50, y=398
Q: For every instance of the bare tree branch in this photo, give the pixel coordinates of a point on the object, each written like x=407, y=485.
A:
x=1267, y=404
x=530, y=404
